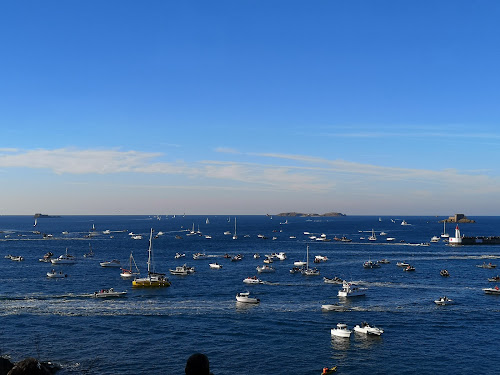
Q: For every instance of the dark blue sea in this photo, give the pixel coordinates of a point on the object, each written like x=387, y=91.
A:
x=156, y=330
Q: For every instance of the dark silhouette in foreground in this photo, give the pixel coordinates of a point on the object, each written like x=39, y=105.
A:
x=198, y=364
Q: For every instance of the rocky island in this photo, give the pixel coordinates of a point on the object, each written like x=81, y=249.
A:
x=458, y=218
x=295, y=214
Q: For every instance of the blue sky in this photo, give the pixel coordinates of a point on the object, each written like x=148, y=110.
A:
x=250, y=107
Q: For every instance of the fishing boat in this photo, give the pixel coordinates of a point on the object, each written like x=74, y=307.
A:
x=215, y=265
x=365, y=328
x=265, y=269
x=64, y=259
x=108, y=293
x=348, y=290
x=335, y=280
x=252, y=280
x=443, y=301
x=153, y=279
x=183, y=270
x=341, y=331
x=495, y=290
x=129, y=273
x=245, y=298
x=56, y=275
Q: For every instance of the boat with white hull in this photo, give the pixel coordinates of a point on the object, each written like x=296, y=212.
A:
x=367, y=329
x=341, y=331
x=108, y=293
x=244, y=297
x=348, y=290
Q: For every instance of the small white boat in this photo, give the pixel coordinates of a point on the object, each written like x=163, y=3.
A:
x=487, y=265
x=333, y=307
x=370, y=264
x=256, y=256
x=443, y=301
x=179, y=255
x=299, y=263
x=494, y=278
x=341, y=331
x=46, y=258
x=495, y=290
x=402, y=264
x=435, y=239
x=199, y=256
x=404, y=222
x=183, y=270
x=16, y=258
x=335, y=280
x=281, y=255
x=365, y=328
x=129, y=273
x=137, y=237
x=252, y=280
x=108, y=293
x=111, y=263
x=245, y=298
x=64, y=259
x=348, y=290
x=320, y=258
x=390, y=239
x=311, y=272
x=215, y=265
x=56, y=275
x=265, y=269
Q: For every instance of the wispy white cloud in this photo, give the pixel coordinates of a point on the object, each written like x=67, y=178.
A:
x=226, y=150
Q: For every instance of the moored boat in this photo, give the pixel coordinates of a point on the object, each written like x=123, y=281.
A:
x=365, y=328
x=265, y=269
x=443, y=301
x=153, y=279
x=111, y=263
x=341, y=331
x=56, y=275
x=334, y=280
x=64, y=259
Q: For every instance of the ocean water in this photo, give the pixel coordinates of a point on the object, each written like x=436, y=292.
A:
x=156, y=330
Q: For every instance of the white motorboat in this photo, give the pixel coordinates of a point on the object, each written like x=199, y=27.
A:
x=443, y=301
x=252, y=280
x=494, y=278
x=64, y=259
x=183, y=270
x=365, y=328
x=215, y=265
x=370, y=264
x=341, y=331
x=435, y=239
x=320, y=258
x=56, y=275
x=335, y=280
x=199, y=256
x=487, y=265
x=299, y=263
x=179, y=255
x=348, y=290
x=137, y=237
x=495, y=290
x=245, y=298
x=16, y=258
x=281, y=255
x=237, y=258
x=111, y=263
x=402, y=264
x=384, y=261
x=265, y=269
x=108, y=293
x=390, y=239
x=404, y=222
x=333, y=307
x=311, y=272
x=256, y=256
x=46, y=258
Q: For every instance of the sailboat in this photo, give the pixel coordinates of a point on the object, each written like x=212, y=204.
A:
x=129, y=273
x=35, y=222
x=90, y=254
x=373, y=237
x=235, y=236
x=309, y=271
x=207, y=221
x=444, y=234
x=153, y=279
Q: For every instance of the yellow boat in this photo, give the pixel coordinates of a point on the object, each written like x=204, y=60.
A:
x=153, y=279
x=329, y=370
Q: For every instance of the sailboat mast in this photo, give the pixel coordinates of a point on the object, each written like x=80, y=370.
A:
x=307, y=258
x=149, y=250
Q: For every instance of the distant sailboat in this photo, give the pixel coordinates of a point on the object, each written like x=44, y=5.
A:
x=444, y=235
x=35, y=222
x=128, y=273
x=235, y=236
x=207, y=221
